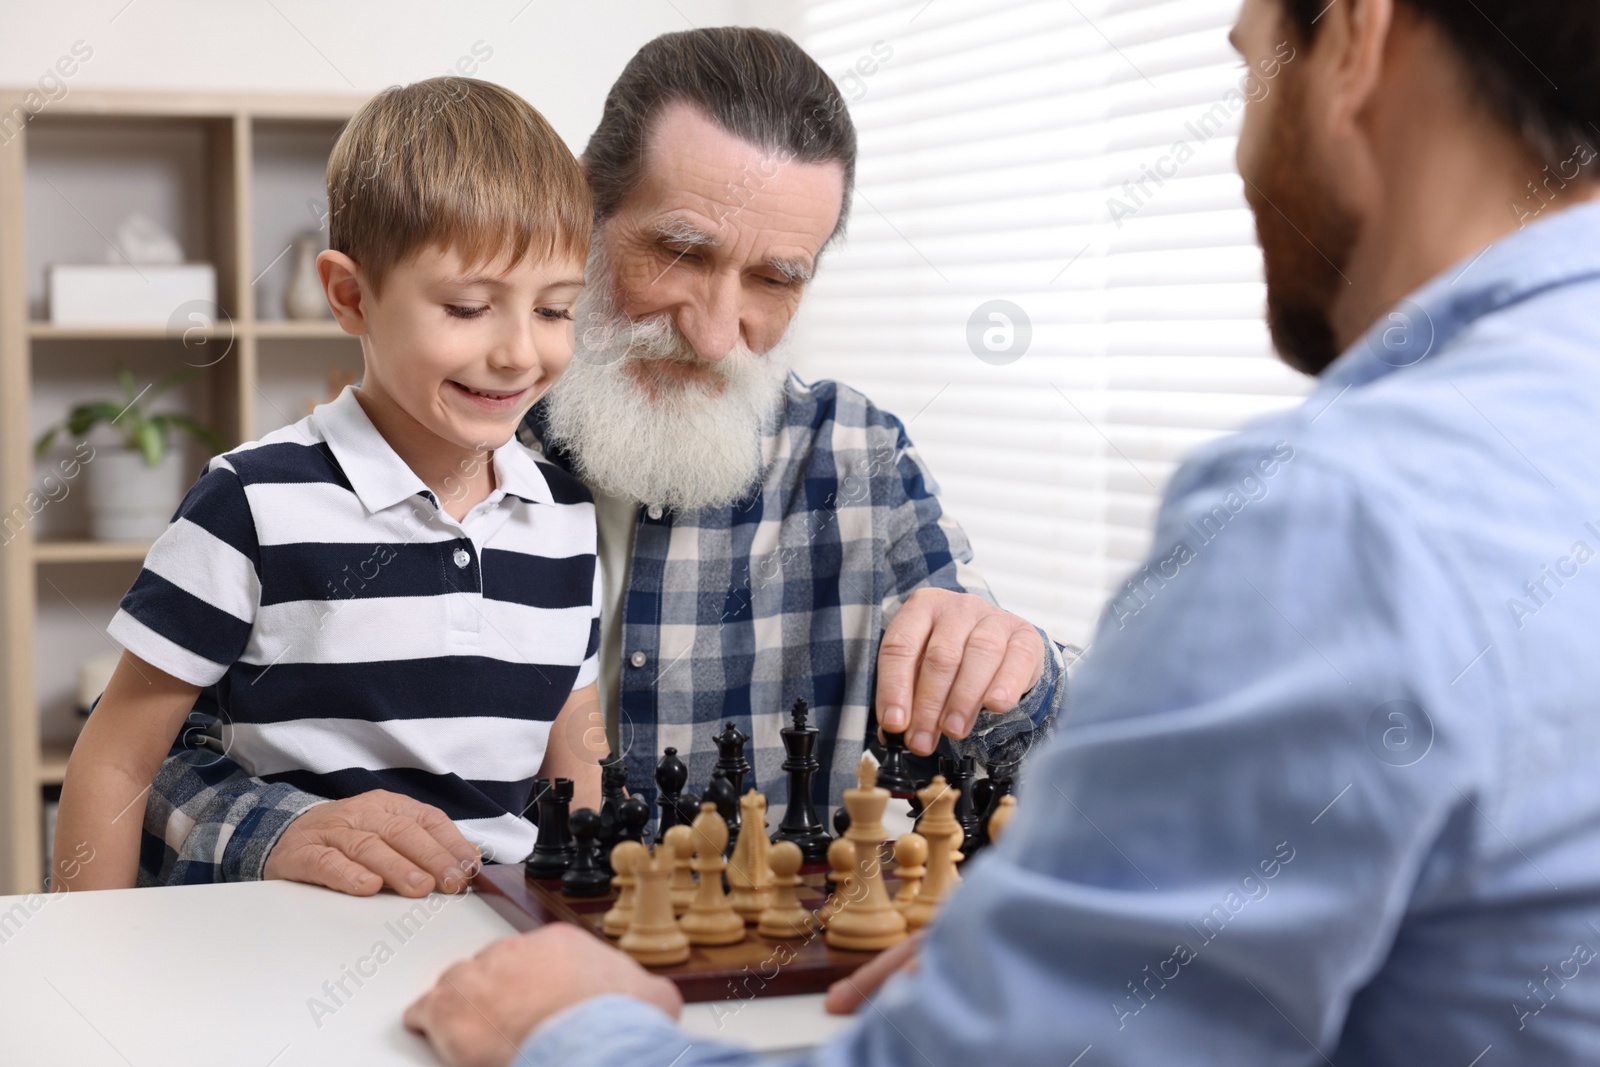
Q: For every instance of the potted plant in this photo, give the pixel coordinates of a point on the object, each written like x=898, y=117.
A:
x=133, y=489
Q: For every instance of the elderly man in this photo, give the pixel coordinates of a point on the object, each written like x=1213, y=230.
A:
x=1331, y=797
x=762, y=540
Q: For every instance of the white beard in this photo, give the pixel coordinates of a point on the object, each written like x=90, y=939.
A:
x=684, y=445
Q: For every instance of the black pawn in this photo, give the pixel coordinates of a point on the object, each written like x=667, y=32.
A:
x=892, y=773
x=730, y=757
x=586, y=878
x=633, y=815
x=688, y=808
x=721, y=793
x=800, y=823
x=671, y=776
x=553, y=851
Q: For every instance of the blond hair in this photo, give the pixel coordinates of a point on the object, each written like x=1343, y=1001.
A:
x=459, y=163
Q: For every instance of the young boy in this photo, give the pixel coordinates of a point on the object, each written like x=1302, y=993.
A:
x=392, y=593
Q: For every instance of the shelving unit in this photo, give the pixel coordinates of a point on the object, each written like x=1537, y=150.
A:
x=236, y=174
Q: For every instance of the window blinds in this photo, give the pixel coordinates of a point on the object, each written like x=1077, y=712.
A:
x=1075, y=159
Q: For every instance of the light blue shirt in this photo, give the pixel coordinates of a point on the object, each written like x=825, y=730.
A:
x=1329, y=789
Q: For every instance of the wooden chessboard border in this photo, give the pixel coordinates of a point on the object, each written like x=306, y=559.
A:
x=756, y=967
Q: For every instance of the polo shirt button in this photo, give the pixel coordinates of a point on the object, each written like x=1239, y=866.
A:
x=654, y=511
x=637, y=659
x=462, y=558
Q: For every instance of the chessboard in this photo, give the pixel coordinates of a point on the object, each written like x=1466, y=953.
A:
x=757, y=966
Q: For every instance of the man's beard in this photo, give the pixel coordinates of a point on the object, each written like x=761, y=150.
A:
x=683, y=441
x=1306, y=241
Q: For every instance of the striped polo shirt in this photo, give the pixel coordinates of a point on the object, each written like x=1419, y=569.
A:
x=359, y=637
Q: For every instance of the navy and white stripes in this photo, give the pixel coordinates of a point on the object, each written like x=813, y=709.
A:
x=361, y=638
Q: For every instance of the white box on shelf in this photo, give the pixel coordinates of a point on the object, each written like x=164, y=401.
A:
x=121, y=295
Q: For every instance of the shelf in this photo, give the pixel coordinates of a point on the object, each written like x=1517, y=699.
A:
x=320, y=330
x=277, y=330
x=231, y=176
x=49, y=331
x=53, y=761
x=90, y=551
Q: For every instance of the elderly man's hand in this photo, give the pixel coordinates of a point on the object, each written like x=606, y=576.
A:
x=360, y=844
x=946, y=656
x=481, y=1010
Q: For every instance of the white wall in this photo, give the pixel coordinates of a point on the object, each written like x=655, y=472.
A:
x=562, y=55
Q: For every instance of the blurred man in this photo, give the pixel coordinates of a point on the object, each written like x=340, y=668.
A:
x=1329, y=795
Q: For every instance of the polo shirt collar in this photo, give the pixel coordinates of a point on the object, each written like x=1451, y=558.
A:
x=516, y=472
x=381, y=479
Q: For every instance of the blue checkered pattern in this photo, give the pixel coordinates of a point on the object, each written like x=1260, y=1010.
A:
x=737, y=612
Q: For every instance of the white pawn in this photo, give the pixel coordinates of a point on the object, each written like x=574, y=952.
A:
x=842, y=860
x=1002, y=817
x=910, y=855
x=679, y=843
x=786, y=918
x=623, y=858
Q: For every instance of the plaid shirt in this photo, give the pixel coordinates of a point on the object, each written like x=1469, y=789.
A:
x=730, y=615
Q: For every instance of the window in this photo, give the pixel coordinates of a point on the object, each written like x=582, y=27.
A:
x=1074, y=160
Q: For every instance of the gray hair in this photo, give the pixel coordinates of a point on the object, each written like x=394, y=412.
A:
x=757, y=85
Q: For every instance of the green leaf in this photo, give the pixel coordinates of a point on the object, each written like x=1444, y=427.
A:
x=175, y=378
x=46, y=439
x=83, y=417
x=205, y=434
x=152, y=441
x=125, y=376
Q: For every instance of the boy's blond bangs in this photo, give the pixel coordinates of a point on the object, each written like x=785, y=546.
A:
x=458, y=163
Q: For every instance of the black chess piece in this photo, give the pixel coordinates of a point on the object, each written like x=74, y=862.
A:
x=893, y=774
x=553, y=851
x=982, y=805
x=633, y=815
x=613, y=790
x=800, y=823
x=721, y=793
x=916, y=802
x=961, y=773
x=730, y=757
x=586, y=877
x=671, y=777
x=688, y=808
x=1004, y=777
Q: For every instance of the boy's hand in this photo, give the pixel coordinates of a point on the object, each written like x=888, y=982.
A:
x=359, y=845
x=481, y=1010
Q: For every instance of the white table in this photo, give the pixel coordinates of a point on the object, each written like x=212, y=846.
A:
x=234, y=974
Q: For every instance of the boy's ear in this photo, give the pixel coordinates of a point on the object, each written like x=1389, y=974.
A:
x=341, y=281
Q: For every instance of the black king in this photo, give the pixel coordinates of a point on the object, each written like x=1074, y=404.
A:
x=800, y=823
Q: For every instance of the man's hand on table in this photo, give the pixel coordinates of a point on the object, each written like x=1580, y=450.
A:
x=359, y=845
x=481, y=1010
x=945, y=656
